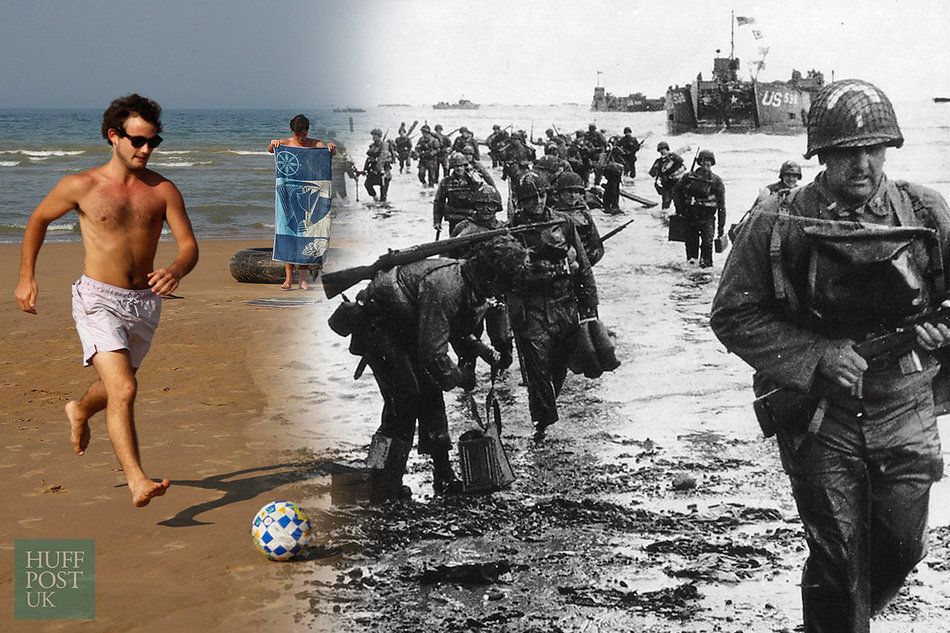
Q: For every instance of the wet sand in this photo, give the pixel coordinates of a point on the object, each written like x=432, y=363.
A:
x=211, y=413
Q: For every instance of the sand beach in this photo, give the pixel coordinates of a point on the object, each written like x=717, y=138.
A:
x=210, y=413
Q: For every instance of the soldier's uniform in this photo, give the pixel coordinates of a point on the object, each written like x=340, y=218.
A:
x=403, y=151
x=445, y=148
x=497, y=141
x=629, y=145
x=463, y=140
x=453, y=198
x=378, y=166
x=427, y=153
x=569, y=200
x=701, y=197
x=666, y=172
x=807, y=276
x=544, y=314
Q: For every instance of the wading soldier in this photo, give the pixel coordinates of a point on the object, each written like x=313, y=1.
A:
x=403, y=150
x=117, y=302
x=701, y=197
x=427, y=153
x=559, y=284
x=453, y=198
x=666, y=172
x=812, y=274
x=378, y=166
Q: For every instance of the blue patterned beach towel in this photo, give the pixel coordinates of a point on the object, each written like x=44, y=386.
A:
x=302, y=204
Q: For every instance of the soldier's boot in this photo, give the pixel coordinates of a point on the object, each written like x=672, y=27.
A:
x=540, y=430
x=385, y=483
x=444, y=481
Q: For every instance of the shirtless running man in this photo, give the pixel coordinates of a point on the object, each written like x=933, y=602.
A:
x=122, y=208
x=299, y=127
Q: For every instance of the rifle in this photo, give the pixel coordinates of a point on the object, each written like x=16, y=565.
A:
x=338, y=281
x=412, y=127
x=783, y=405
x=609, y=235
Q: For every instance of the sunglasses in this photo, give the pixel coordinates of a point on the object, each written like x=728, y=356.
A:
x=139, y=141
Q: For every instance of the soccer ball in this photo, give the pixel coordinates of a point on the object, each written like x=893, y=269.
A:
x=281, y=530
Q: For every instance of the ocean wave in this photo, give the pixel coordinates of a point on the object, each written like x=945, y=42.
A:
x=262, y=225
x=242, y=152
x=44, y=153
x=16, y=228
x=181, y=163
x=9, y=163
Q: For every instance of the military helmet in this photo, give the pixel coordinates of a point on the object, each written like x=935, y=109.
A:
x=706, y=154
x=468, y=150
x=486, y=196
x=376, y=132
x=551, y=149
x=592, y=127
x=425, y=128
x=457, y=159
x=529, y=188
x=662, y=145
x=463, y=130
x=438, y=127
x=496, y=127
x=790, y=167
x=627, y=130
x=851, y=113
x=568, y=181
x=548, y=162
x=549, y=131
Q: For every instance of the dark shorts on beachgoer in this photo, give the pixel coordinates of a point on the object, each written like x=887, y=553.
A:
x=109, y=318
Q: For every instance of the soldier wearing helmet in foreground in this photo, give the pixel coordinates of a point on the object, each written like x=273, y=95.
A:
x=701, y=197
x=666, y=172
x=427, y=153
x=558, y=289
x=811, y=274
x=453, y=198
x=378, y=166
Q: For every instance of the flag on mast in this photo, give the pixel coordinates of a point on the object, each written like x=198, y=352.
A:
x=742, y=20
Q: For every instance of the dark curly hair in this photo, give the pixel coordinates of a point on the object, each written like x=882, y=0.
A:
x=299, y=123
x=130, y=105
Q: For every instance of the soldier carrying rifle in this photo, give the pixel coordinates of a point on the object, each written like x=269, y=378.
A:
x=834, y=263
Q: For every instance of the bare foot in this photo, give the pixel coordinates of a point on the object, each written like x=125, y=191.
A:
x=286, y=285
x=79, y=428
x=145, y=490
x=304, y=285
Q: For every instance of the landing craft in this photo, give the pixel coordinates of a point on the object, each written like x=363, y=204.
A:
x=727, y=104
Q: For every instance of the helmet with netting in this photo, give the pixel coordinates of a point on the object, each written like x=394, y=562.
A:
x=706, y=154
x=457, y=159
x=376, y=132
x=851, y=113
x=662, y=145
x=486, y=199
x=468, y=150
x=568, y=181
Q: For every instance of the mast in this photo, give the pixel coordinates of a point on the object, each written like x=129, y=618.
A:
x=732, y=34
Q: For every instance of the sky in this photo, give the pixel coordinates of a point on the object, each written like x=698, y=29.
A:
x=311, y=53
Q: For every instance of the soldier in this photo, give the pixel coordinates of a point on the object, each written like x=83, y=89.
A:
x=788, y=176
x=701, y=197
x=570, y=200
x=413, y=314
x=465, y=139
x=497, y=141
x=549, y=166
x=404, y=150
x=579, y=156
x=666, y=172
x=453, y=198
x=613, y=166
x=597, y=144
x=858, y=439
x=518, y=158
x=445, y=148
x=629, y=145
x=476, y=166
x=341, y=167
x=378, y=166
x=427, y=153
x=544, y=313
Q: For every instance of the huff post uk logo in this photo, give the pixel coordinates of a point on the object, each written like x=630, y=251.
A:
x=55, y=579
